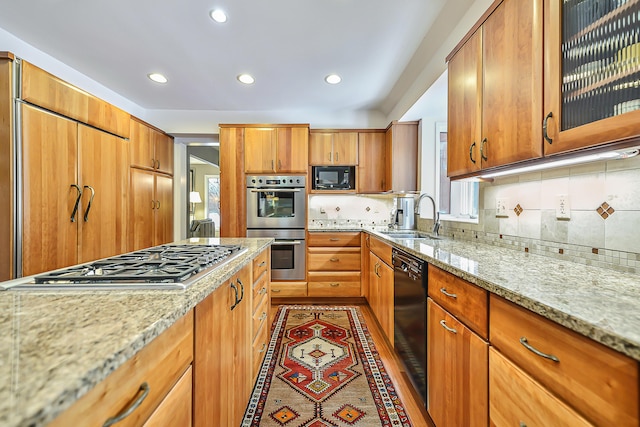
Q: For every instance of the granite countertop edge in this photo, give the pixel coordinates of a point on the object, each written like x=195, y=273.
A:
x=583, y=326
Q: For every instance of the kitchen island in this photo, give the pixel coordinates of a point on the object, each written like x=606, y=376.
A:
x=58, y=345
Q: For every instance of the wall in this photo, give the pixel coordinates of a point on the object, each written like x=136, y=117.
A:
x=596, y=234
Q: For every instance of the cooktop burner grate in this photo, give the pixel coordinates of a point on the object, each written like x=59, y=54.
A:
x=160, y=264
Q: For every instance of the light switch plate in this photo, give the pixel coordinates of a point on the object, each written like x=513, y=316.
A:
x=502, y=204
x=563, y=210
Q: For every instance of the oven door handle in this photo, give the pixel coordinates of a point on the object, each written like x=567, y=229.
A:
x=275, y=190
x=287, y=242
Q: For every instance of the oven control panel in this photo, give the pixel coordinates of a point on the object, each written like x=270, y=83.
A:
x=276, y=181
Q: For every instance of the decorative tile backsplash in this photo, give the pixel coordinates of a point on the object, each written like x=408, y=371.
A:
x=601, y=228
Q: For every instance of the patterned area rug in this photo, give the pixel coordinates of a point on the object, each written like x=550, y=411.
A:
x=322, y=370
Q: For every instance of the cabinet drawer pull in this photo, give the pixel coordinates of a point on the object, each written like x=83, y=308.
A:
x=144, y=387
x=264, y=347
x=545, y=133
x=334, y=285
x=334, y=259
x=263, y=291
x=444, y=325
x=522, y=424
x=471, y=152
x=262, y=264
x=275, y=290
x=263, y=316
x=537, y=352
x=334, y=239
x=444, y=291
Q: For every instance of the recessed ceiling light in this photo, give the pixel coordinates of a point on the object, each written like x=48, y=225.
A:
x=246, y=79
x=218, y=16
x=333, y=79
x=157, y=77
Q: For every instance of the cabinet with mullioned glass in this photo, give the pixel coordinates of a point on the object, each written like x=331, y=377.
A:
x=592, y=73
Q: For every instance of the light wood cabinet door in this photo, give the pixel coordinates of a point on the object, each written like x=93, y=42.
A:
x=233, y=192
x=381, y=293
x=260, y=150
x=163, y=221
x=141, y=145
x=371, y=162
x=464, y=124
x=50, y=169
x=175, y=409
x=142, y=206
x=292, y=149
x=517, y=399
x=103, y=210
x=242, y=346
x=458, y=366
x=321, y=148
x=401, y=157
x=512, y=84
x=345, y=148
x=163, y=152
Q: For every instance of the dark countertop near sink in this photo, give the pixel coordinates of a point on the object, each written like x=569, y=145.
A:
x=56, y=346
x=599, y=303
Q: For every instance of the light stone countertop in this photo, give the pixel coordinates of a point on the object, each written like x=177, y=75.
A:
x=57, y=345
x=599, y=303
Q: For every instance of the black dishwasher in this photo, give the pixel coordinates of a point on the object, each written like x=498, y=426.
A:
x=410, y=317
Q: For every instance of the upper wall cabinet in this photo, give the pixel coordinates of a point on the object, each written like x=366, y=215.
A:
x=495, y=91
x=401, y=157
x=276, y=149
x=371, y=173
x=150, y=148
x=333, y=148
x=592, y=73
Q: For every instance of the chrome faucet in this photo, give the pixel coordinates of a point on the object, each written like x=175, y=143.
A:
x=436, y=215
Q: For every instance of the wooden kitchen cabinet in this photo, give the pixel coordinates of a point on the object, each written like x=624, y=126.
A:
x=75, y=190
x=150, y=148
x=495, y=91
x=591, y=96
x=334, y=264
x=458, y=366
x=595, y=381
x=162, y=367
x=276, y=149
x=333, y=148
x=401, y=157
x=223, y=350
x=233, y=190
x=151, y=209
x=381, y=285
x=371, y=172
x=261, y=312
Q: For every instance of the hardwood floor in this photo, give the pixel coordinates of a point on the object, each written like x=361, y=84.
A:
x=409, y=397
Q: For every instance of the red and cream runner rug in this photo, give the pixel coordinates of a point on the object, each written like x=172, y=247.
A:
x=322, y=370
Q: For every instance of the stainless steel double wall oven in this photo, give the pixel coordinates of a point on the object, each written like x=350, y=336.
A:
x=277, y=207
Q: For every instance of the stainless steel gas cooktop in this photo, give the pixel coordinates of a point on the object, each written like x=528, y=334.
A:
x=159, y=267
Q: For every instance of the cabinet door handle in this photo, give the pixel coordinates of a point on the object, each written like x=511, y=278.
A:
x=157, y=204
x=444, y=291
x=484, y=157
x=545, y=132
x=334, y=259
x=153, y=163
x=471, y=147
x=334, y=285
x=377, y=269
x=336, y=156
x=522, y=424
x=279, y=164
x=264, y=347
x=144, y=388
x=158, y=164
x=444, y=325
x=537, y=352
x=75, y=207
x=93, y=193
x=272, y=167
x=241, y=289
x=235, y=290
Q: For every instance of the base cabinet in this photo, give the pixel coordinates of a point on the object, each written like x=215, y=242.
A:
x=334, y=264
x=222, y=357
x=261, y=309
x=381, y=285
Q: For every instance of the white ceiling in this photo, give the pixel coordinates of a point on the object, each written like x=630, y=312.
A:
x=288, y=45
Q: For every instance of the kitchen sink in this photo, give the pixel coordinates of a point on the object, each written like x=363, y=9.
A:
x=397, y=234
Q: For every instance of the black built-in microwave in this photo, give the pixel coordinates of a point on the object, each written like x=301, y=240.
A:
x=334, y=177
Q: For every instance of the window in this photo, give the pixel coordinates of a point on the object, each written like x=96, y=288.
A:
x=457, y=200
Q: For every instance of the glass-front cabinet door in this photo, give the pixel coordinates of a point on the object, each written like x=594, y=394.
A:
x=592, y=73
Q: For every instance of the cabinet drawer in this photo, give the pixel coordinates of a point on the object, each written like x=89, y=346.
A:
x=598, y=382
x=160, y=364
x=334, y=259
x=259, y=348
x=334, y=289
x=175, y=409
x=260, y=289
x=516, y=399
x=465, y=301
x=261, y=315
x=260, y=264
x=288, y=289
x=381, y=249
x=334, y=239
